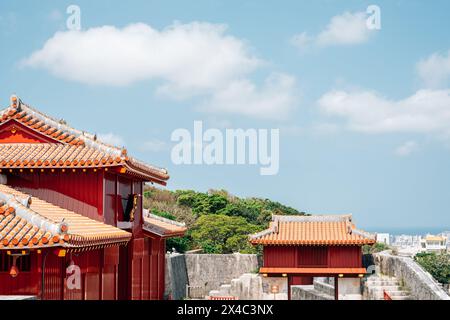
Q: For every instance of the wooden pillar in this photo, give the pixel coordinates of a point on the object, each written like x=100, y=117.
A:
x=336, y=288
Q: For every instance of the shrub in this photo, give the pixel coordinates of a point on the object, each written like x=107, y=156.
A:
x=438, y=265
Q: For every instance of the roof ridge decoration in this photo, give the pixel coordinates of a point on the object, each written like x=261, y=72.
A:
x=365, y=234
x=88, y=138
x=262, y=233
x=65, y=134
x=162, y=226
x=147, y=214
x=312, y=218
x=22, y=209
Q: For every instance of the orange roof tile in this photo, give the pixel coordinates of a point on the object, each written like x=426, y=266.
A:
x=72, y=141
x=161, y=226
x=312, y=230
x=29, y=222
x=55, y=155
x=313, y=271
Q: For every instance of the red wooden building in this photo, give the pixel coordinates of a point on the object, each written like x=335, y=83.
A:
x=300, y=248
x=71, y=216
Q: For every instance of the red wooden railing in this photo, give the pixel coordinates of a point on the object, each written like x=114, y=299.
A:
x=386, y=295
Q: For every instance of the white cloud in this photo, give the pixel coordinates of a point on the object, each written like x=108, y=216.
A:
x=154, y=145
x=188, y=60
x=273, y=100
x=111, y=138
x=435, y=70
x=347, y=28
x=344, y=29
x=406, y=149
x=426, y=111
x=194, y=56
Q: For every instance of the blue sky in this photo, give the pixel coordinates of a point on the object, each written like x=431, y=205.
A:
x=362, y=113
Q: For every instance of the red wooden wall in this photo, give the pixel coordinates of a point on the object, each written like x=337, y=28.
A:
x=110, y=274
x=144, y=277
x=54, y=273
x=98, y=270
x=345, y=257
x=99, y=275
x=26, y=283
x=81, y=192
x=313, y=256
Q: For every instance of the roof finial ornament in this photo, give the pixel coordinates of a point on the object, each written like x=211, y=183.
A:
x=124, y=152
x=15, y=102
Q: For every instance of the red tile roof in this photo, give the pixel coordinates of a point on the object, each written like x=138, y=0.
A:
x=29, y=222
x=77, y=147
x=163, y=227
x=55, y=155
x=312, y=230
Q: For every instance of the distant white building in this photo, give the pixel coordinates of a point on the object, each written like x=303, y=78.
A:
x=433, y=243
x=384, y=238
x=446, y=234
x=407, y=241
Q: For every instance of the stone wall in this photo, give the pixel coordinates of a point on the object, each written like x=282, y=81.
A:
x=204, y=272
x=324, y=287
x=210, y=271
x=176, y=276
x=251, y=286
x=420, y=283
x=308, y=292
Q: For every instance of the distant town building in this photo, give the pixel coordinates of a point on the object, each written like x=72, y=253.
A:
x=433, y=243
x=407, y=241
x=446, y=234
x=383, y=238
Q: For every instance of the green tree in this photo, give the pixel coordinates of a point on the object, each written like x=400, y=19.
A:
x=249, y=210
x=202, y=203
x=218, y=233
x=280, y=209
